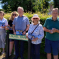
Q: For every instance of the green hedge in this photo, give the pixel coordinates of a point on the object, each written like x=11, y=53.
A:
x=43, y=17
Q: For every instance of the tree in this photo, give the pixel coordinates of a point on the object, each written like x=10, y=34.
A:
x=56, y=3
x=28, y=5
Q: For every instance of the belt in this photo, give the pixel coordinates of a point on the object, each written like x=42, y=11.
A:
x=19, y=30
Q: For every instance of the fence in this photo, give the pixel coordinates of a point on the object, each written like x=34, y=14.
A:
x=18, y=37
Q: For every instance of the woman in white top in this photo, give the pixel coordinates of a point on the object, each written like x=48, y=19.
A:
x=36, y=36
x=3, y=24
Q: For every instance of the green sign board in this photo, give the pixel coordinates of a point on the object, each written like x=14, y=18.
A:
x=18, y=37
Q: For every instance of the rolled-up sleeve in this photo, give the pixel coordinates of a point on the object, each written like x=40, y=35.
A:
x=27, y=21
x=45, y=24
x=29, y=34
x=6, y=22
x=41, y=34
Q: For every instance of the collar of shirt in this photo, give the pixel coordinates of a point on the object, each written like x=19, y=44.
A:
x=19, y=16
x=55, y=20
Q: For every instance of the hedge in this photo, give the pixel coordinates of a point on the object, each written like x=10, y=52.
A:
x=43, y=17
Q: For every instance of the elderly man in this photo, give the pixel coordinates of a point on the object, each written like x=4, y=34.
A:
x=20, y=26
x=51, y=27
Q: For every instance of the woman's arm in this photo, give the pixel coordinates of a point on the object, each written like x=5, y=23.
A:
x=41, y=33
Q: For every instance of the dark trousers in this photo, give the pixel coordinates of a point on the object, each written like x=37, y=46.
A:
x=35, y=51
x=17, y=49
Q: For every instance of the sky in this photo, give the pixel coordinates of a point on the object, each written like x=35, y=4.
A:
x=2, y=5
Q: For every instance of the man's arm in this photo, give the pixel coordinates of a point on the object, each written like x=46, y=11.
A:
x=27, y=28
x=47, y=30
x=55, y=30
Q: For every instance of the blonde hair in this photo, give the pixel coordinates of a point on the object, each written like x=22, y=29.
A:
x=2, y=12
x=55, y=9
x=20, y=8
x=11, y=18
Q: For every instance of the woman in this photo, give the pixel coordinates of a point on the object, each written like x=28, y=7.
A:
x=13, y=15
x=35, y=36
x=3, y=24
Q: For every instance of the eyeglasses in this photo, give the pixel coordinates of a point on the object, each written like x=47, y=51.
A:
x=13, y=14
x=35, y=18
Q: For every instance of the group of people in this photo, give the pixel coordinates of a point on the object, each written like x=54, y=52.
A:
x=18, y=24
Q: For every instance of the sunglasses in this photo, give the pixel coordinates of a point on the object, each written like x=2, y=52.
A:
x=13, y=14
x=35, y=18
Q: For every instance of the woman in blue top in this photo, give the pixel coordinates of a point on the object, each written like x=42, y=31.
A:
x=3, y=24
x=36, y=36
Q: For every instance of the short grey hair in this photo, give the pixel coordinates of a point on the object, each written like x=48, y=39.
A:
x=55, y=9
x=20, y=8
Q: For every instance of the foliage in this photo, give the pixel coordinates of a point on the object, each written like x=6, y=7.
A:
x=1, y=9
x=7, y=15
x=28, y=5
x=56, y=3
x=43, y=17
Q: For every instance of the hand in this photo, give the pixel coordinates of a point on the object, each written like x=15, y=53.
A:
x=3, y=27
x=54, y=30
x=15, y=33
x=26, y=35
x=35, y=39
x=24, y=32
x=50, y=31
x=6, y=28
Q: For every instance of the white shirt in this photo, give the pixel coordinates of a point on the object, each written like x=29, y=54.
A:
x=3, y=21
x=38, y=32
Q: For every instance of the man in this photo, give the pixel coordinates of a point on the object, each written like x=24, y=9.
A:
x=20, y=26
x=51, y=27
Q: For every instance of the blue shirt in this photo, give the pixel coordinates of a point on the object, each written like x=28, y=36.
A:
x=49, y=24
x=21, y=23
x=38, y=33
x=3, y=23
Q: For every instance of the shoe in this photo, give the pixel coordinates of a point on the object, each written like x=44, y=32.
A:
x=14, y=53
x=9, y=54
x=3, y=58
x=3, y=55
